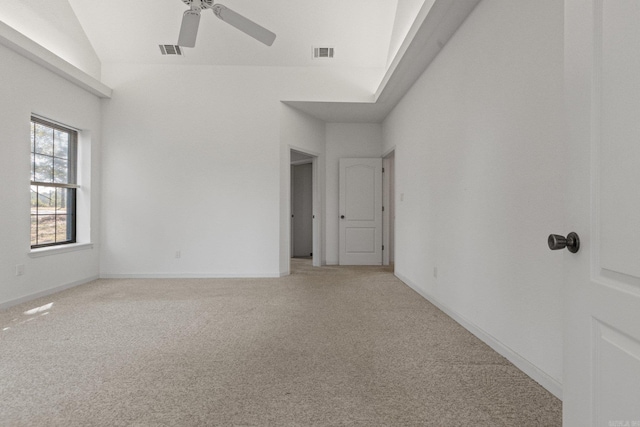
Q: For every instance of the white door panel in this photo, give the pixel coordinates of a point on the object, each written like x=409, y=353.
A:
x=601, y=378
x=360, y=212
x=619, y=195
x=616, y=355
x=360, y=192
x=360, y=240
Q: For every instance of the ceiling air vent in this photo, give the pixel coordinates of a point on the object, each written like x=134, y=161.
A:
x=322, y=52
x=170, y=49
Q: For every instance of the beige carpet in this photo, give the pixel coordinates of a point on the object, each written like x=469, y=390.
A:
x=327, y=346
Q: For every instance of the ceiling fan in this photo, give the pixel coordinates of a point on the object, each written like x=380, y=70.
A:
x=191, y=21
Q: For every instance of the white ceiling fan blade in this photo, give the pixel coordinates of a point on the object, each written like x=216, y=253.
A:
x=189, y=28
x=243, y=24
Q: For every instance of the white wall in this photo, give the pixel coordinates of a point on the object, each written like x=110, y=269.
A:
x=344, y=140
x=191, y=165
x=194, y=162
x=480, y=163
x=27, y=88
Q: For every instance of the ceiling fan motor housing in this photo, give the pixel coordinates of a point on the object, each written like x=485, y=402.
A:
x=199, y=3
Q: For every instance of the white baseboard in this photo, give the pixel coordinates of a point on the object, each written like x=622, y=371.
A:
x=188, y=276
x=46, y=292
x=546, y=381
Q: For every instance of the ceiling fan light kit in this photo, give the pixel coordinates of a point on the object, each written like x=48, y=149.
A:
x=191, y=22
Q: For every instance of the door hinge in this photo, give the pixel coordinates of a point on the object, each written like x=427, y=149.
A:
x=383, y=209
x=382, y=170
x=383, y=247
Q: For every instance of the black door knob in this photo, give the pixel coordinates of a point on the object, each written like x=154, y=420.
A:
x=341, y=216
x=571, y=242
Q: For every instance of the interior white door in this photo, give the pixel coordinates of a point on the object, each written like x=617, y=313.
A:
x=601, y=379
x=360, y=212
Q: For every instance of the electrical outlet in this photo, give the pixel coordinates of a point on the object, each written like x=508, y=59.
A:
x=19, y=269
x=435, y=272
x=178, y=254
x=402, y=197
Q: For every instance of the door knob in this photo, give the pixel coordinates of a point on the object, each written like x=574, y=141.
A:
x=571, y=242
x=341, y=216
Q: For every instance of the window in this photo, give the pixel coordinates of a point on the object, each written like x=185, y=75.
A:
x=53, y=184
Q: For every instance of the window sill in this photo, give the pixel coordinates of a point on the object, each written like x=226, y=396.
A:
x=55, y=250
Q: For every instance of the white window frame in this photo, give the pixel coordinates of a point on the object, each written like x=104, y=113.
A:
x=72, y=167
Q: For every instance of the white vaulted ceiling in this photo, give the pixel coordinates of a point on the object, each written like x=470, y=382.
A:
x=125, y=31
x=53, y=25
x=396, y=39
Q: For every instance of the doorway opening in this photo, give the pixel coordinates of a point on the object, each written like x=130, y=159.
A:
x=304, y=231
x=389, y=209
